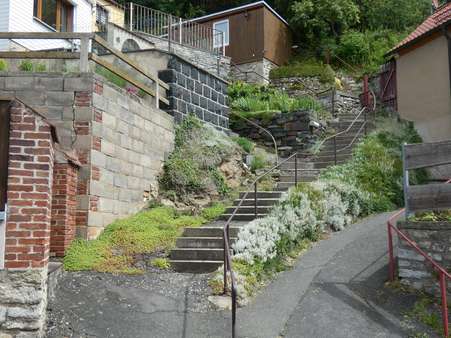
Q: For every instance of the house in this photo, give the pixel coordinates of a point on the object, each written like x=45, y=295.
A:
x=107, y=11
x=256, y=37
x=43, y=16
x=423, y=76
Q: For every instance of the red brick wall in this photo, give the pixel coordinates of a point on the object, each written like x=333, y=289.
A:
x=29, y=190
x=64, y=207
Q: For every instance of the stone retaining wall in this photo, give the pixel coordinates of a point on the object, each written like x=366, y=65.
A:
x=291, y=131
x=193, y=90
x=434, y=239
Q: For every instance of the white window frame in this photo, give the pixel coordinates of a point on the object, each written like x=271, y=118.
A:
x=226, y=42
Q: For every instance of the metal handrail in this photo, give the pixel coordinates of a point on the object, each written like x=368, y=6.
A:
x=264, y=129
x=443, y=274
x=226, y=237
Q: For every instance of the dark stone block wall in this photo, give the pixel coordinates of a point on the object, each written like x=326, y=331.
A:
x=193, y=90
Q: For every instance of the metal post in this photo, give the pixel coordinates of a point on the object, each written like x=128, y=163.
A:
x=335, y=149
x=365, y=91
x=296, y=170
x=233, y=314
x=169, y=33
x=157, y=94
x=333, y=102
x=131, y=17
x=364, y=121
x=255, y=199
x=225, y=265
x=444, y=303
x=391, y=258
x=180, y=30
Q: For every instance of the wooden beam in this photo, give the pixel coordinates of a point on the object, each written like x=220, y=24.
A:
x=126, y=77
x=44, y=35
x=39, y=55
x=129, y=61
x=429, y=197
x=425, y=155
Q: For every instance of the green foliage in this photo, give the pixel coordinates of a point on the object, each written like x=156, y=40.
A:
x=376, y=166
x=3, y=66
x=245, y=144
x=258, y=162
x=424, y=312
x=214, y=211
x=199, y=151
x=264, y=102
x=305, y=68
x=40, y=67
x=114, y=251
x=161, y=263
x=111, y=77
x=26, y=66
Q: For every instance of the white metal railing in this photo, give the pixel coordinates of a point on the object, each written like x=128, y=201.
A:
x=174, y=29
x=3, y=215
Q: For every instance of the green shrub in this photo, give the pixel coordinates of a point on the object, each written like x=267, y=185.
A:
x=182, y=175
x=220, y=181
x=161, y=263
x=214, y=211
x=305, y=68
x=26, y=66
x=245, y=144
x=111, y=77
x=354, y=47
x=258, y=162
x=3, y=65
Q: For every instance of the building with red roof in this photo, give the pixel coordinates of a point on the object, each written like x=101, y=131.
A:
x=423, y=75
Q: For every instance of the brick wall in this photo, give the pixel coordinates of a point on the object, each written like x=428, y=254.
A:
x=193, y=90
x=23, y=290
x=64, y=206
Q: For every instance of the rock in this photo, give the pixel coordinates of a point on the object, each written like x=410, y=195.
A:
x=167, y=203
x=221, y=302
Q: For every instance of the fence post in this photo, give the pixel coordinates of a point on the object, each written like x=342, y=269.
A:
x=391, y=258
x=255, y=199
x=180, y=31
x=365, y=91
x=333, y=102
x=169, y=33
x=157, y=94
x=131, y=17
x=225, y=265
x=84, y=55
x=364, y=121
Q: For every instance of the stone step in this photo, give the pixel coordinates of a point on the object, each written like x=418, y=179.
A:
x=331, y=158
x=197, y=254
x=322, y=165
x=261, y=201
x=249, y=209
x=196, y=266
x=243, y=217
x=201, y=242
x=209, y=232
x=261, y=194
x=301, y=178
x=283, y=186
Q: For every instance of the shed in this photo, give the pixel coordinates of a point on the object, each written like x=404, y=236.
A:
x=256, y=37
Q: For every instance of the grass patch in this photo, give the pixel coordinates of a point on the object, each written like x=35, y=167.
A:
x=161, y=263
x=245, y=144
x=114, y=251
x=305, y=68
x=3, y=66
x=111, y=77
x=214, y=211
x=423, y=311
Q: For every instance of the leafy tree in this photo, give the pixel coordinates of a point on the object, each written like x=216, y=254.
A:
x=316, y=20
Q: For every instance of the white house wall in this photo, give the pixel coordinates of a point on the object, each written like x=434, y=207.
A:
x=21, y=20
x=4, y=22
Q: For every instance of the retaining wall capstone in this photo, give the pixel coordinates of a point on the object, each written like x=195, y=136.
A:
x=193, y=90
x=434, y=239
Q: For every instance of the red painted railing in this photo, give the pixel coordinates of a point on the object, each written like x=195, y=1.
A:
x=443, y=274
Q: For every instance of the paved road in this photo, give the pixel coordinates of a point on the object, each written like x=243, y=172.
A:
x=335, y=290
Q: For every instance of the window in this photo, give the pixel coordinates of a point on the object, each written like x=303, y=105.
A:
x=58, y=14
x=101, y=15
x=221, y=26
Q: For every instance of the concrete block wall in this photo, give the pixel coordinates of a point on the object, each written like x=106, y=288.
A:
x=253, y=72
x=434, y=239
x=130, y=143
x=193, y=90
x=121, y=141
x=23, y=286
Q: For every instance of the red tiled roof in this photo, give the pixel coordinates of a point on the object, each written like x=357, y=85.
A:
x=441, y=16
